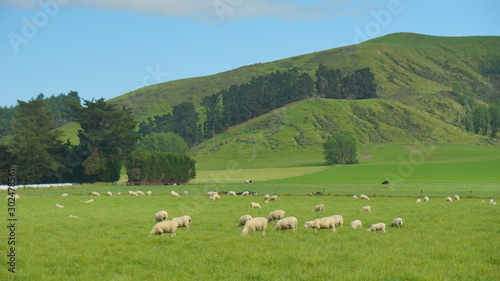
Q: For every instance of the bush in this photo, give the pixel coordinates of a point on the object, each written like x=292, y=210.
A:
x=340, y=148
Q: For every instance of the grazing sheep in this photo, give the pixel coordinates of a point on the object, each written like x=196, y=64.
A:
x=95, y=193
x=266, y=197
x=366, y=209
x=164, y=227
x=149, y=192
x=255, y=224
x=89, y=201
x=214, y=197
x=65, y=195
x=74, y=217
x=255, y=205
x=321, y=223
x=449, y=199
x=275, y=215
x=273, y=198
x=132, y=193
x=377, y=227
x=354, y=197
x=109, y=193
x=397, y=222
x=364, y=197
x=244, y=219
x=319, y=208
x=118, y=193
x=245, y=193
x=175, y=194
x=161, y=216
x=139, y=192
x=247, y=181
x=339, y=220
x=356, y=224
x=456, y=197
x=185, y=193
x=493, y=202
x=59, y=206
x=183, y=221
x=426, y=199
x=232, y=193
x=418, y=200
x=287, y=223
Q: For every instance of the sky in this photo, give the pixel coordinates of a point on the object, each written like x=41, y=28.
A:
x=106, y=48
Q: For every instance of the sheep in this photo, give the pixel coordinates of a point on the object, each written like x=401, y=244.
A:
x=356, y=224
x=161, y=216
x=275, y=215
x=164, y=227
x=89, y=201
x=214, y=197
x=287, y=223
x=74, y=217
x=118, y=193
x=185, y=193
x=354, y=197
x=321, y=223
x=273, y=198
x=183, y=221
x=266, y=197
x=245, y=193
x=456, y=197
x=232, y=193
x=149, y=192
x=493, y=202
x=397, y=222
x=59, y=206
x=139, y=192
x=364, y=197
x=339, y=220
x=418, y=200
x=426, y=199
x=247, y=181
x=65, y=195
x=95, y=193
x=449, y=199
x=132, y=193
x=366, y=209
x=319, y=208
x=377, y=227
x=255, y=224
x=255, y=205
x=109, y=193
x=244, y=219
x=175, y=194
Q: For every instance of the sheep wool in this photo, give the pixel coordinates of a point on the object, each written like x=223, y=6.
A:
x=149, y=192
x=255, y=224
x=184, y=193
x=132, y=193
x=232, y=193
x=59, y=206
x=89, y=201
x=183, y=221
x=449, y=199
x=287, y=223
x=354, y=197
x=245, y=193
x=273, y=198
x=65, y=195
x=139, y=192
x=321, y=223
x=456, y=197
x=377, y=227
x=95, y=193
x=397, y=222
x=175, y=194
x=161, y=216
x=366, y=209
x=267, y=197
x=426, y=199
x=243, y=219
x=319, y=208
x=356, y=224
x=275, y=215
x=339, y=220
x=164, y=227
x=255, y=205
x=419, y=200
x=109, y=193
x=364, y=197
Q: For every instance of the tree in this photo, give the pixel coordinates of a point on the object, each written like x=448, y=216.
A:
x=36, y=147
x=185, y=121
x=340, y=148
x=494, y=119
x=481, y=119
x=106, y=138
x=162, y=142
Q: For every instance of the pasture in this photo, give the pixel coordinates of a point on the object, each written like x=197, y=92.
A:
x=109, y=240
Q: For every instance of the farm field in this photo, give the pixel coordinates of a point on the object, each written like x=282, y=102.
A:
x=109, y=240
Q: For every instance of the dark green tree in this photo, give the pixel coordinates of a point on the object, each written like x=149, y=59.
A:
x=340, y=148
x=185, y=122
x=494, y=119
x=162, y=142
x=481, y=119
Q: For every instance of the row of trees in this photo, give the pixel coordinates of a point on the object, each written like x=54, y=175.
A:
x=479, y=117
x=332, y=85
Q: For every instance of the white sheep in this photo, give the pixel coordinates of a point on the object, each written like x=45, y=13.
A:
x=449, y=199
x=426, y=199
x=354, y=197
x=456, y=197
x=321, y=223
x=65, y=195
x=183, y=221
x=109, y=193
x=185, y=193
x=418, y=201
x=130, y=192
x=273, y=198
x=245, y=193
x=74, y=217
x=339, y=220
x=287, y=223
x=247, y=181
x=95, y=193
x=366, y=209
x=232, y=193
x=165, y=227
x=118, y=193
x=493, y=202
x=266, y=197
x=244, y=219
x=377, y=227
x=275, y=215
x=161, y=216
x=89, y=201
x=356, y=224
x=175, y=194
x=319, y=208
x=139, y=192
x=364, y=197
x=255, y=224
x=398, y=222
x=214, y=197
x=59, y=206
x=149, y=192
x=210, y=193
x=255, y=205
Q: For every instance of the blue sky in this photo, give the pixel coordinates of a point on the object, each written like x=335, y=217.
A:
x=105, y=48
